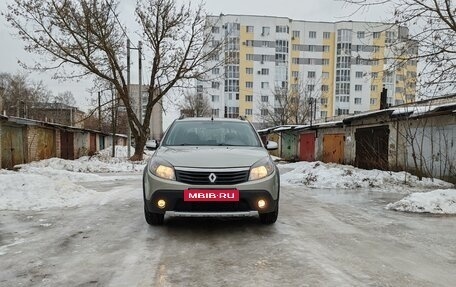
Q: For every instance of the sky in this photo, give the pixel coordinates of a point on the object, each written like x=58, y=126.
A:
x=64, y=177
x=11, y=48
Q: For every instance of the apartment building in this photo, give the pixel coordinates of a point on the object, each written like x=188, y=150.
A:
x=337, y=68
x=156, y=120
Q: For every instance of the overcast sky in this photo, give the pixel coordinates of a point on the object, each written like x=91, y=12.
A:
x=11, y=49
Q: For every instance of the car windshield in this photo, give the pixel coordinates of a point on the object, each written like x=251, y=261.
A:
x=211, y=133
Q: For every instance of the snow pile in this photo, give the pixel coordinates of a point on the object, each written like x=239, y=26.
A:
x=331, y=175
x=101, y=162
x=121, y=154
x=53, y=182
x=20, y=191
x=440, y=201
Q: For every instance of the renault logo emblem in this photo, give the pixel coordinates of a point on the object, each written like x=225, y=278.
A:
x=212, y=177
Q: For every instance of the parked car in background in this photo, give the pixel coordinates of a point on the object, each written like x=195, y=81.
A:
x=151, y=144
x=211, y=167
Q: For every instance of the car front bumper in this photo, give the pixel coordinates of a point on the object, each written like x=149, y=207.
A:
x=172, y=192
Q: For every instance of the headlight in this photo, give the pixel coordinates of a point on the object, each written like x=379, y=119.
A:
x=161, y=168
x=261, y=169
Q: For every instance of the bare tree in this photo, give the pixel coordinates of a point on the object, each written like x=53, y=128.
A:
x=292, y=105
x=85, y=37
x=66, y=98
x=433, y=27
x=195, y=105
x=20, y=94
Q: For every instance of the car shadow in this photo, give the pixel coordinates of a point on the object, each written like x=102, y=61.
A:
x=214, y=225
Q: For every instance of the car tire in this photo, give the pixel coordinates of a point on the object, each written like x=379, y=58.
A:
x=153, y=218
x=270, y=217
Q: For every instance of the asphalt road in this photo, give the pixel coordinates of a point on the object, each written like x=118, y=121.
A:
x=322, y=238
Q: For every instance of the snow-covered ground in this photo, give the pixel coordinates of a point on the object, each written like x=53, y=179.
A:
x=57, y=183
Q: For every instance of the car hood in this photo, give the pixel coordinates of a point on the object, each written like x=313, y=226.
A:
x=211, y=157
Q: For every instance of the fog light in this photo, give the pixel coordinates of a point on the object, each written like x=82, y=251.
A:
x=261, y=203
x=161, y=203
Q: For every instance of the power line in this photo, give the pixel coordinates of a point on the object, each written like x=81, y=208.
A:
x=120, y=24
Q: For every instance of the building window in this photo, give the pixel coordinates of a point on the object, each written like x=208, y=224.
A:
x=295, y=74
x=215, y=112
x=215, y=30
x=249, y=71
x=249, y=85
x=312, y=34
x=376, y=35
x=215, y=85
x=215, y=71
x=374, y=75
x=232, y=71
x=325, y=62
x=249, y=57
x=324, y=101
x=326, y=35
x=358, y=88
x=264, y=85
x=360, y=34
x=373, y=101
x=295, y=34
x=265, y=31
x=359, y=75
x=248, y=112
x=343, y=111
x=390, y=37
x=215, y=98
x=231, y=85
x=264, y=99
x=310, y=88
x=281, y=46
x=325, y=75
x=249, y=98
x=324, y=88
x=311, y=74
x=325, y=48
x=264, y=112
x=249, y=29
x=265, y=71
x=373, y=88
x=282, y=29
x=357, y=101
x=343, y=99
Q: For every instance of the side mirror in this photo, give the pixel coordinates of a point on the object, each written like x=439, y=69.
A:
x=271, y=145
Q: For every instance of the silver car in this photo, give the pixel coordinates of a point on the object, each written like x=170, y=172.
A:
x=211, y=167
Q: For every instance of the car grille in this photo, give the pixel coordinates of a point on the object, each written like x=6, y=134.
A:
x=202, y=177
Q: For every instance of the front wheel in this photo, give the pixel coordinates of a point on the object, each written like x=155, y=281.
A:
x=153, y=218
x=270, y=217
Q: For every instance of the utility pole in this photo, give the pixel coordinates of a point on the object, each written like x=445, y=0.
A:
x=2, y=91
x=113, y=122
x=128, y=93
x=311, y=109
x=140, y=79
x=99, y=110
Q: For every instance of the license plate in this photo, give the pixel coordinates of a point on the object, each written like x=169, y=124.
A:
x=211, y=195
